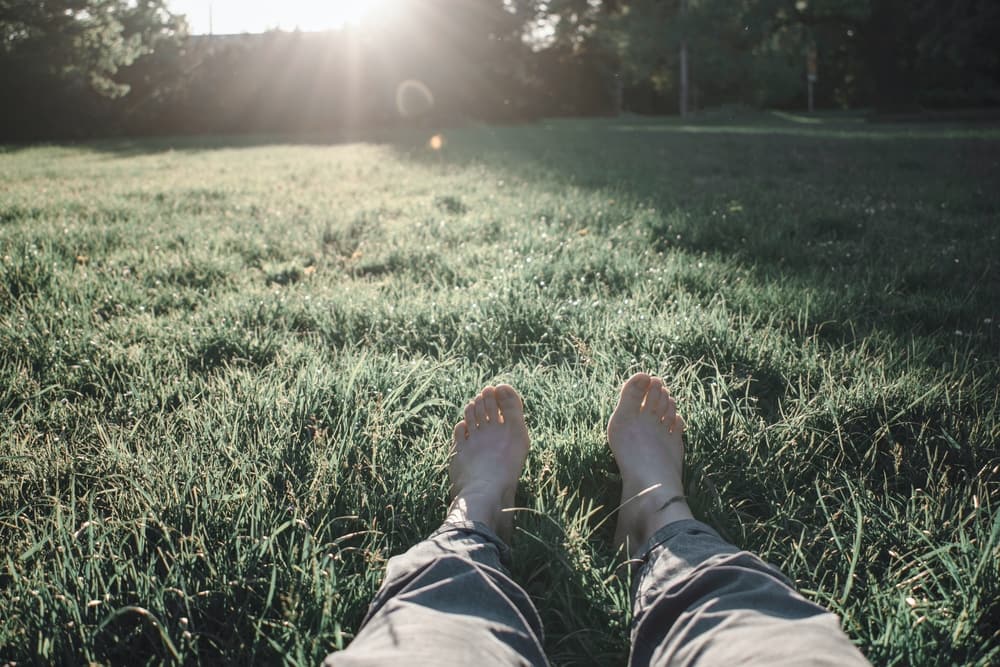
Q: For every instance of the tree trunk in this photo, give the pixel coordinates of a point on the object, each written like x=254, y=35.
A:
x=684, y=92
x=684, y=79
x=617, y=94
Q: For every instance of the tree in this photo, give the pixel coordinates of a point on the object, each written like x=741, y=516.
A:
x=695, y=50
x=890, y=54
x=900, y=48
x=83, y=40
x=55, y=53
x=575, y=52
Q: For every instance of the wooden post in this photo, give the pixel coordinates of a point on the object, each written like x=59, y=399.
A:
x=618, y=94
x=684, y=65
x=812, y=76
x=684, y=79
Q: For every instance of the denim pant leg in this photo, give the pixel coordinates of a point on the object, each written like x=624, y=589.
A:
x=449, y=601
x=702, y=601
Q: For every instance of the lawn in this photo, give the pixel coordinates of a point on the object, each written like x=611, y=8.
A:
x=229, y=370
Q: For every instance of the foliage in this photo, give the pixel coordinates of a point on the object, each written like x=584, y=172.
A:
x=68, y=63
x=890, y=53
x=230, y=369
x=81, y=41
x=61, y=60
x=896, y=54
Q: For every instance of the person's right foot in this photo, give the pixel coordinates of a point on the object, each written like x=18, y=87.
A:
x=645, y=436
x=489, y=448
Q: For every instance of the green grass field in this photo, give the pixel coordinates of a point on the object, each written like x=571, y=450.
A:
x=229, y=369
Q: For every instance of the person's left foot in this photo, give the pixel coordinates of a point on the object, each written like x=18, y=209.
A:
x=488, y=452
x=645, y=434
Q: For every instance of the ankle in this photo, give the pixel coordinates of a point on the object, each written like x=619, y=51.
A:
x=674, y=511
x=480, y=504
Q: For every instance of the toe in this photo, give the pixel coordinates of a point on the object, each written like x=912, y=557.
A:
x=655, y=398
x=470, y=416
x=669, y=411
x=669, y=408
x=490, y=404
x=480, y=410
x=460, y=433
x=633, y=392
x=510, y=403
x=679, y=425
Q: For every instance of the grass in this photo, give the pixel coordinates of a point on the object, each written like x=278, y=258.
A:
x=229, y=368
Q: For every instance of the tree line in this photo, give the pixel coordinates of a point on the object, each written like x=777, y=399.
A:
x=78, y=68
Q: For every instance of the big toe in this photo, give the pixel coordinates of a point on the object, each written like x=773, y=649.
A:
x=511, y=405
x=633, y=393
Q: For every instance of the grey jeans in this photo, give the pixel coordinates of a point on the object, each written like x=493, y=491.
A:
x=699, y=600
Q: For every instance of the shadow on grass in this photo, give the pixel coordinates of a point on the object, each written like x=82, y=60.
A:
x=876, y=226
x=864, y=227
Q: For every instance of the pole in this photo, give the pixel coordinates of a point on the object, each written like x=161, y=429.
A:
x=812, y=75
x=211, y=19
x=684, y=79
x=684, y=65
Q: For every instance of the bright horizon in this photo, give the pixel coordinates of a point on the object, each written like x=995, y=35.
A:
x=254, y=16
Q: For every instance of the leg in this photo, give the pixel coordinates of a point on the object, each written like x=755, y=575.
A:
x=700, y=600
x=449, y=600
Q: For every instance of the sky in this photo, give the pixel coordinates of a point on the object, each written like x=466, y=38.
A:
x=237, y=16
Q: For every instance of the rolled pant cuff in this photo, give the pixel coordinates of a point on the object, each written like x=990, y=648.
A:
x=671, y=530
x=477, y=528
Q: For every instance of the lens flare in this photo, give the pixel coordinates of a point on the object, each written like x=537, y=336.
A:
x=413, y=99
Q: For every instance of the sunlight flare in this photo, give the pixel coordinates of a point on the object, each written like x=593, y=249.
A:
x=413, y=98
x=239, y=16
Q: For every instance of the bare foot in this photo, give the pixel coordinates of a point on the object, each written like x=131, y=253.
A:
x=645, y=436
x=488, y=453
